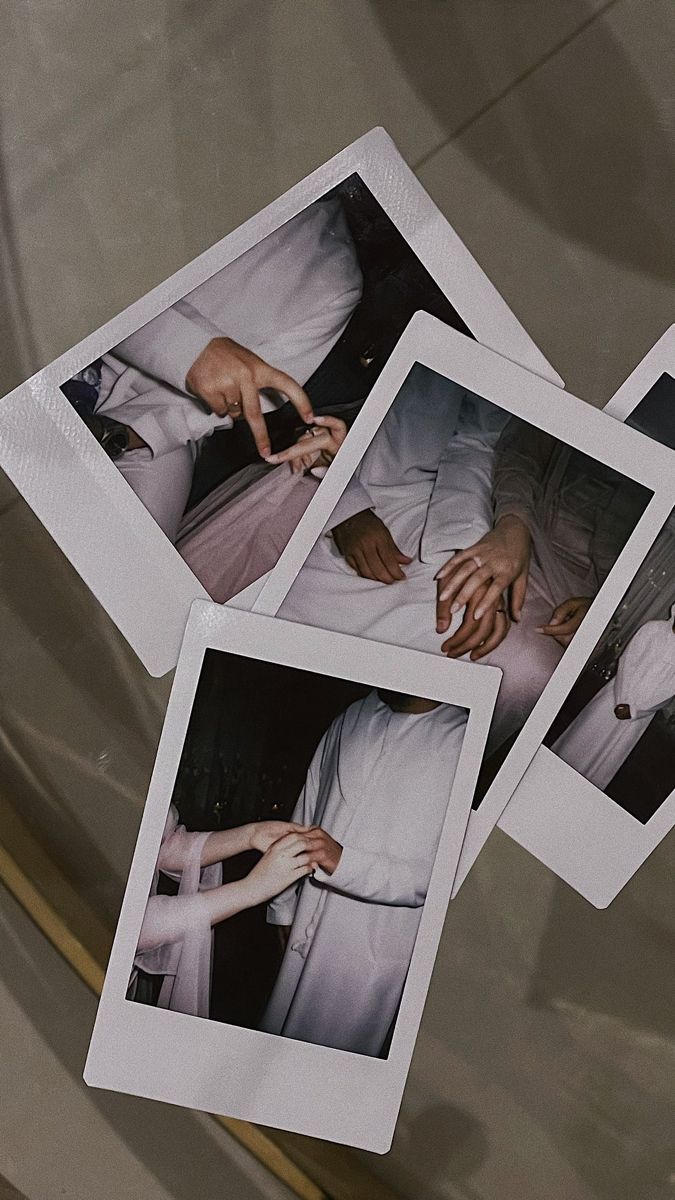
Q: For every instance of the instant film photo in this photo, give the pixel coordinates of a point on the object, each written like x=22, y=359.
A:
x=488, y=515
x=600, y=793
x=145, y=450
x=291, y=876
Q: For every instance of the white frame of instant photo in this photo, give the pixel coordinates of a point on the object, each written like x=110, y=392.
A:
x=555, y=813
x=255, y=1076
x=77, y=492
x=428, y=341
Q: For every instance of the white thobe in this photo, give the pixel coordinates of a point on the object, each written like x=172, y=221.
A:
x=428, y=475
x=176, y=937
x=597, y=743
x=379, y=784
x=288, y=299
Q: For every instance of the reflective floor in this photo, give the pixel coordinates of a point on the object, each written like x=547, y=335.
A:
x=131, y=137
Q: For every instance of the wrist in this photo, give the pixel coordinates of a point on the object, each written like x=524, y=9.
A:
x=511, y=522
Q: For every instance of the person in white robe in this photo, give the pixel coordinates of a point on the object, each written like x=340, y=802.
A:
x=240, y=343
x=600, y=738
x=378, y=787
x=176, y=935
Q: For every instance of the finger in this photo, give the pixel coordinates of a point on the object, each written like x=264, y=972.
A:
x=563, y=629
x=492, y=598
x=458, y=560
x=351, y=562
x=379, y=566
x=298, y=397
x=451, y=587
x=390, y=556
x=471, y=637
x=254, y=419
x=443, y=618
x=517, y=597
x=499, y=632
x=363, y=568
x=475, y=583
x=335, y=427
x=299, y=448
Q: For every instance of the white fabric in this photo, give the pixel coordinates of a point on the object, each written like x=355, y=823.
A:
x=379, y=784
x=288, y=299
x=597, y=743
x=176, y=937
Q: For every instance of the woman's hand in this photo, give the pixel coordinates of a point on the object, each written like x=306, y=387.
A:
x=316, y=447
x=264, y=834
x=287, y=861
x=477, y=637
x=566, y=619
x=499, y=560
x=228, y=378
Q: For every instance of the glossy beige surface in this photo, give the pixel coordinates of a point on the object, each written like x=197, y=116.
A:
x=131, y=137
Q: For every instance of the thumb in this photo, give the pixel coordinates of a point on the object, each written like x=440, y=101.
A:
x=401, y=557
x=518, y=590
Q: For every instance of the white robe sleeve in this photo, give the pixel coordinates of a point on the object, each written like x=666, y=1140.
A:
x=461, y=510
x=372, y=876
x=640, y=677
x=521, y=456
x=167, y=346
x=281, y=910
x=168, y=919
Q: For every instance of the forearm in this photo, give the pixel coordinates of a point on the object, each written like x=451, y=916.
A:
x=521, y=457
x=379, y=878
x=168, y=918
x=226, y=843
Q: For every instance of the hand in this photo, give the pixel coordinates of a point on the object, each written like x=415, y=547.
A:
x=368, y=548
x=477, y=637
x=264, y=834
x=323, y=849
x=228, y=378
x=501, y=559
x=287, y=861
x=319, y=445
x=622, y=712
x=566, y=619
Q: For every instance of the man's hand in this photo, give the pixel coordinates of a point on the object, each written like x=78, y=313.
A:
x=566, y=619
x=622, y=712
x=323, y=849
x=369, y=549
x=228, y=378
x=501, y=560
x=476, y=637
x=264, y=834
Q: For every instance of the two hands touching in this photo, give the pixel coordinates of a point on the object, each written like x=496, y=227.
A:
x=289, y=852
x=488, y=580
x=228, y=379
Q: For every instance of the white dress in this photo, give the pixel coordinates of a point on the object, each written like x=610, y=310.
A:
x=379, y=784
x=597, y=743
x=176, y=937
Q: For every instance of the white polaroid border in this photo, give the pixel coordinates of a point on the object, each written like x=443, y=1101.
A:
x=560, y=414
x=77, y=492
x=555, y=813
x=255, y=1076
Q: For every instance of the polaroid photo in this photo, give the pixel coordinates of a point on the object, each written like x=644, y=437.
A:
x=599, y=794
x=144, y=450
x=475, y=467
x=291, y=876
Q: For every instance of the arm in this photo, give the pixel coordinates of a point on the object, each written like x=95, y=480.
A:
x=379, y=878
x=461, y=509
x=167, y=346
x=522, y=455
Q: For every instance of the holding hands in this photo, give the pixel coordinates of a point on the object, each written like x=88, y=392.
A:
x=285, y=862
x=317, y=447
x=566, y=619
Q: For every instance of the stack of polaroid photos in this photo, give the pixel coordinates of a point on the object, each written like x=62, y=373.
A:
x=411, y=587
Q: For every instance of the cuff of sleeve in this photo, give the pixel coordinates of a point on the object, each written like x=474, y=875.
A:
x=166, y=347
x=343, y=874
x=280, y=915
